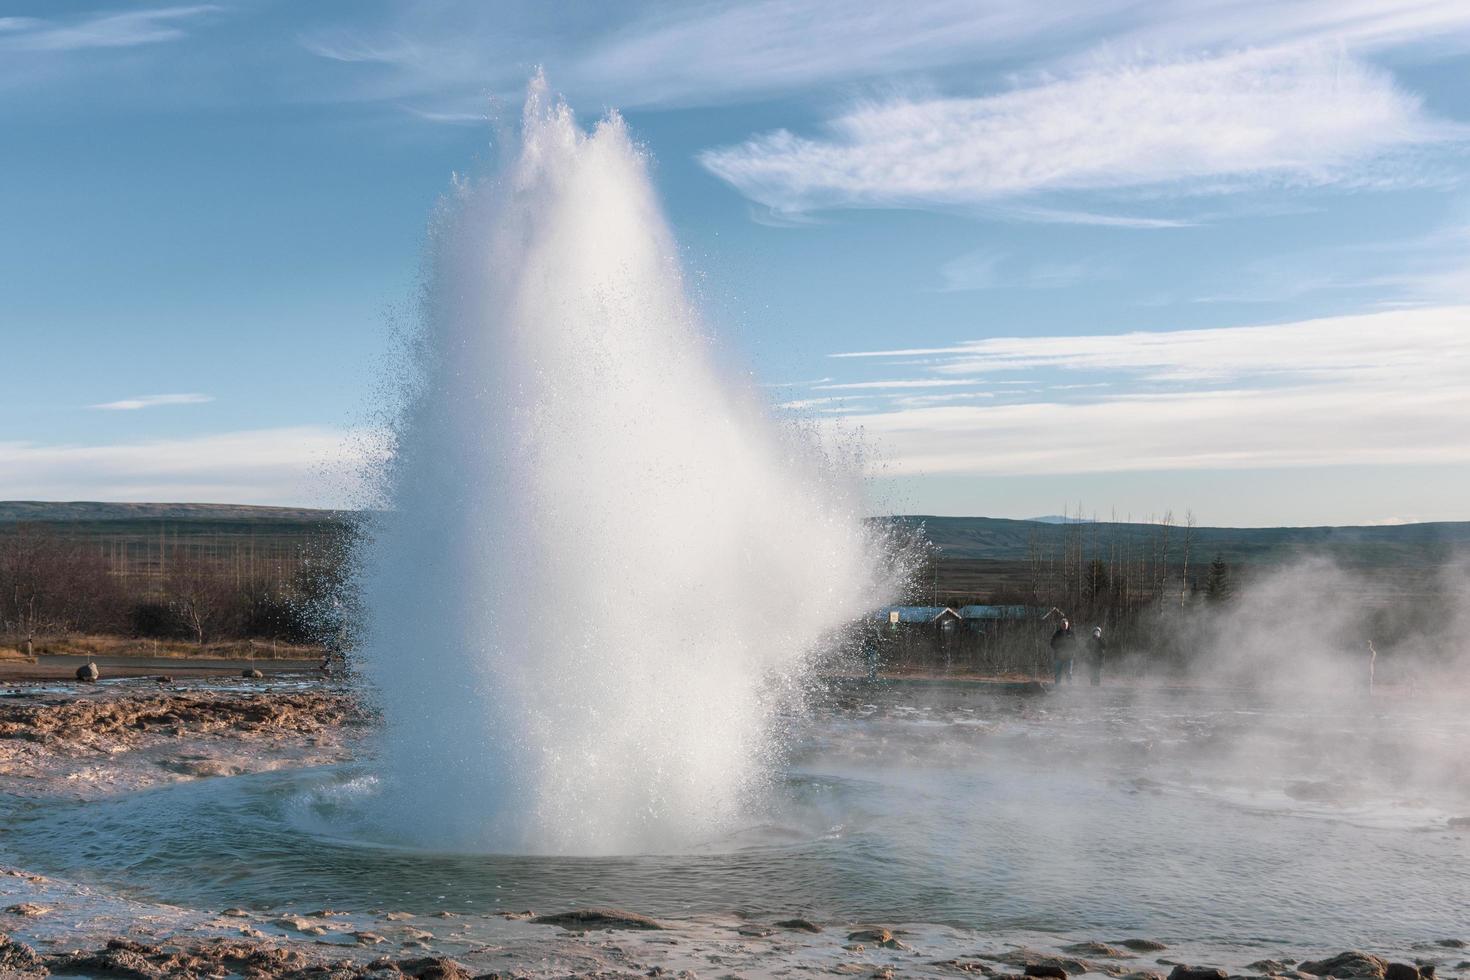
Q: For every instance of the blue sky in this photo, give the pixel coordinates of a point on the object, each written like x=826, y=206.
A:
x=1206, y=256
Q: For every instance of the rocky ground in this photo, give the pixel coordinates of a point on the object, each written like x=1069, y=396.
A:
x=612, y=943
x=92, y=740
x=98, y=738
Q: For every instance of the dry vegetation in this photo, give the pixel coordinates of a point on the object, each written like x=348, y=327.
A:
x=179, y=594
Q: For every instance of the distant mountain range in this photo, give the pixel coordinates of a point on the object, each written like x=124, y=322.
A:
x=957, y=538
x=1000, y=539
x=91, y=510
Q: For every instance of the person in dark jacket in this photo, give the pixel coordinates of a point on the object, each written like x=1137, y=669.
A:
x=1097, y=651
x=1063, y=651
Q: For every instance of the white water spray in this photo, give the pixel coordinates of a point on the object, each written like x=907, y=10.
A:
x=601, y=556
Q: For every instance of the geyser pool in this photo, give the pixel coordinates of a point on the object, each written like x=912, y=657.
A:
x=1193, y=817
x=602, y=566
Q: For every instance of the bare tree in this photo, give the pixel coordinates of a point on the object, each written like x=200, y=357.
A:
x=197, y=593
x=52, y=583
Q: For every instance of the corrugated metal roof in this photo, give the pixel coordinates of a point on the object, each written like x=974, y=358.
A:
x=912, y=614
x=993, y=612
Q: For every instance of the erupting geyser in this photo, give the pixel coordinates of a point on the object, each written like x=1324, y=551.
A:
x=601, y=558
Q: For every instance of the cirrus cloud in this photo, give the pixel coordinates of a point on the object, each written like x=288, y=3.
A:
x=1301, y=115
x=1387, y=388
x=153, y=401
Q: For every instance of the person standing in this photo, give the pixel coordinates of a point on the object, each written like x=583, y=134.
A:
x=1097, y=650
x=1063, y=651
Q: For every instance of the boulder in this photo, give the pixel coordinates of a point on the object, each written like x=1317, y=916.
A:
x=597, y=918
x=88, y=672
x=252, y=673
x=19, y=960
x=433, y=968
x=1096, y=949
x=1401, y=971
x=800, y=925
x=1182, y=972
x=1352, y=965
x=878, y=935
x=1143, y=945
x=27, y=909
x=1049, y=970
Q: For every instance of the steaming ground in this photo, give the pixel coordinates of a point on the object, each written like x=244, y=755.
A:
x=1227, y=827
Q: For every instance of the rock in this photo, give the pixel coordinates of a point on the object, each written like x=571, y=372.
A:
x=1269, y=967
x=27, y=909
x=165, y=678
x=368, y=938
x=19, y=960
x=597, y=918
x=1401, y=971
x=1453, y=943
x=108, y=723
x=304, y=926
x=800, y=925
x=88, y=672
x=119, y=959
x=236, y=913
x=965, y=966
x=1352, y=965
x=433, y=968
x=755, y=931
x=1143, y=945
x=398, y=916
x=1142, y=975
x=251, y=673
x=1050, y=970
x=1096, y=949
x=1182, y=972
x=879, y=935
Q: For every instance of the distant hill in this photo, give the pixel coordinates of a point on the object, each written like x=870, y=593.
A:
x=985, y=539
x=90, y=510
x=998, y=539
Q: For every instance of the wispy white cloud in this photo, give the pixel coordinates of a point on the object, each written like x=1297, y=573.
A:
x=727, y=50
x=714, y=52
x=116, y=30
x=294, y=465
x=1430, y=268
x=990, y=269
x=794, y=384
x=153, y=401
x=1384, y=388
x=1428, y=342
x=1299, y=115
x=1361, y=24
x=891, y=384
